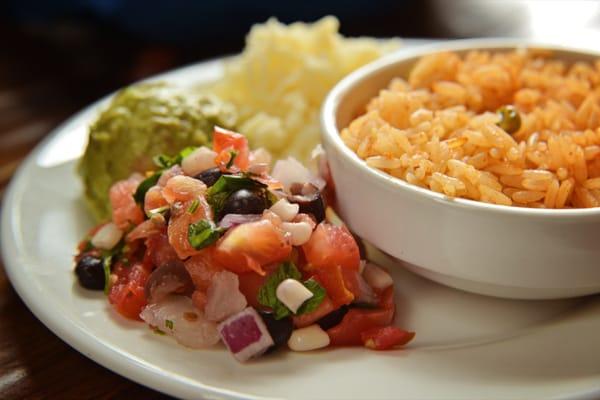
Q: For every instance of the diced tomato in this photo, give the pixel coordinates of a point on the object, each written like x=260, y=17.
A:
x=350, y=278
x=332, y=280
x=179, y=225
x=127, y=294
x=386, y=338
x=182, y=188
x=159, y=251
x=333, y=258
x=326, y=306
x=129, y=300
x=250, y=246
x=250, y=284
x=125, y=211
x=332, y=245
x=154, y=199
x=166, y=175
x=145, y=230
x=202, y=267
x=386, y=301
x=224, y=143
x=357, y=321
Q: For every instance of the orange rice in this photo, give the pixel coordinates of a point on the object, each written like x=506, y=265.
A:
x=439, y=130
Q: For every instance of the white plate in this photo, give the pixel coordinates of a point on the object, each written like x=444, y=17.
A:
x=467, y=346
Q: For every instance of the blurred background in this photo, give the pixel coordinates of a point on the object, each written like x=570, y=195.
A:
x=57, y=56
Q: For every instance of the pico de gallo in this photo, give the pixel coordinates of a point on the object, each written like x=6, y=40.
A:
x=214, y=247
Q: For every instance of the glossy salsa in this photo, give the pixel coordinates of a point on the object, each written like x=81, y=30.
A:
x=212, y=246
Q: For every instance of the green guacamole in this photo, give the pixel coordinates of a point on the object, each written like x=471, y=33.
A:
x=142, y=121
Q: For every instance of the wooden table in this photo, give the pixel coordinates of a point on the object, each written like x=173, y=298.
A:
x=34, y=363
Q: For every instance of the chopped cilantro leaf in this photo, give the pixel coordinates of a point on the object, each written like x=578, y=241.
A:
x=106, y=264
x=267, y=294
x=232, y=155
x=203, y=233
x=318, y=295
x=164, y=161
x=144, y=186
x=194, y=206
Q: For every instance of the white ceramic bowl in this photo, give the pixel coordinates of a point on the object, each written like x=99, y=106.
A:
x=489, y=249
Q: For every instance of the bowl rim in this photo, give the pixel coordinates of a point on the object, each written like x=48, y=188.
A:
x=330, y=133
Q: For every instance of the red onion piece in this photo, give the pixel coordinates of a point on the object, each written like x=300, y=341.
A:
x=231, y=220
x=289, y=171
x=245, y=334
x=168, y=279
x=223, y=297
x=367, y=294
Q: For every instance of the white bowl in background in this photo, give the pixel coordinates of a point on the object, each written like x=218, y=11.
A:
x=478, y=247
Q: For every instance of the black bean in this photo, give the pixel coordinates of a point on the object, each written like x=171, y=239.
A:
x=280, y=330
x=90, y=272
x=209, y=176
x=244, y=201
x=333, y=318
x=309, y=198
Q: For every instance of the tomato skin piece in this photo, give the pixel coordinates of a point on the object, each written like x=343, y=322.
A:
x=129, y=301
x=250, y=246
x=386, y=338
x=159, y=251
x=225, y=141
x=202, y=267
x=356, y=321
x=331, y=245
x=333, y=258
